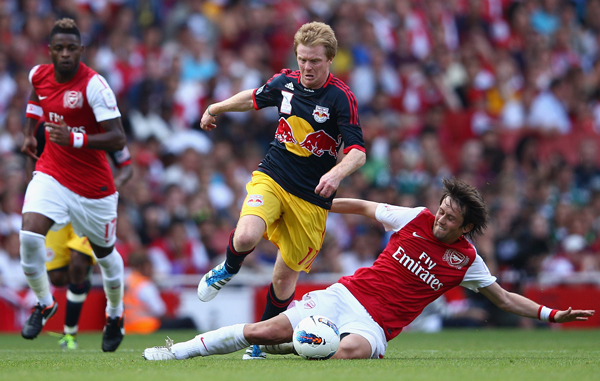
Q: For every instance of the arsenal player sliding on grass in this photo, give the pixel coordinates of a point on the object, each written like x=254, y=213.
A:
x=72, y=181
x=426, y=256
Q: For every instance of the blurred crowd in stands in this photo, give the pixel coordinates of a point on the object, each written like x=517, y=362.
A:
x=504, y=94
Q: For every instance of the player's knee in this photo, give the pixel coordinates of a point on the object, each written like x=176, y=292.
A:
x=244, y=240
x=32, y=247
x=351, y=348
x=79, y=267
x=31, y=241
x=58, y=278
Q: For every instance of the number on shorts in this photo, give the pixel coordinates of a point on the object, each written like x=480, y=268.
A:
x=109, y=230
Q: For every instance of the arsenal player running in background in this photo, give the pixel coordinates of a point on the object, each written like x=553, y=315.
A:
x=82, y=121
x=426, y=256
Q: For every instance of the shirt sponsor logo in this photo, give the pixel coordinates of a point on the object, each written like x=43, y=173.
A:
x=284, y=133
x=319, y=142
x=290, y=86
x=321, y=114
x=73, y=99
x=455, y=259
x=421, y=267
x=255, y=200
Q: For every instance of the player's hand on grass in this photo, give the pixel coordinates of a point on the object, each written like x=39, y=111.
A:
x=572, y=315
x=59, y=133
x=29, y=147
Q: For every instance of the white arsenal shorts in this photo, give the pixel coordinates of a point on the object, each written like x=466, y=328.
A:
x=94, y=218
x=339, y=305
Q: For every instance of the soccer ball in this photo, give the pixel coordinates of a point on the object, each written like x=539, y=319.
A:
x=316, y=338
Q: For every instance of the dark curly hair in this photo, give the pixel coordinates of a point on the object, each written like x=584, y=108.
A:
x=470, y=202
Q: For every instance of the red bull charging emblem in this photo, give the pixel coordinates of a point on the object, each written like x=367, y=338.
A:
x=319, y=142
x=321, y=114
x=254, y=200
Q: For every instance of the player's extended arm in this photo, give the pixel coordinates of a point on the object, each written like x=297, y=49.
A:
x=240, y=102
x=29, y=146
x=330, y=181
x=520, y=305
x=112, y=139
x=123, y=175
x=354, y=206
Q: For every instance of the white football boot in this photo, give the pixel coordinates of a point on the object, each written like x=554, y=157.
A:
x=162, y=353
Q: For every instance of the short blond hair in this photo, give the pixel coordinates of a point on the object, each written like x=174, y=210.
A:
x=316, y=33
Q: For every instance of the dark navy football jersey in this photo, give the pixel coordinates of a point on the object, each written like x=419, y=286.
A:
x=313, y=124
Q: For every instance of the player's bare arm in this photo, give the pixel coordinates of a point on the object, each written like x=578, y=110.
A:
x=520, y=305
x=331, y=180
x=124, y=174
x=29, y=146
x=240, y=102
x=112, y=139
x=354, y=206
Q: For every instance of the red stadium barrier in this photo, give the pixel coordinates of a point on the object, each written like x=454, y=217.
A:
x=579, y=296
x=92, y=313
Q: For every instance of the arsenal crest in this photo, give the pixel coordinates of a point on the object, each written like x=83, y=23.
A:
x=455, y=258
x=321, y=114
x=73, y=99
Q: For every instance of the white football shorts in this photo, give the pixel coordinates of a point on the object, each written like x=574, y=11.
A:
x=339, y=305
x=94, y=218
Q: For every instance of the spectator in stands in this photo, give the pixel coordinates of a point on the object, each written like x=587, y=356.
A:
x=146, y=310
x=178, y=253
x=549, y=113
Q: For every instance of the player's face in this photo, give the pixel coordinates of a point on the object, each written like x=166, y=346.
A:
x=447, y=226
x=65, y=51
x=313, y=64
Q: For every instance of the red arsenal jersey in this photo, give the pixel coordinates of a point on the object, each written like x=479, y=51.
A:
x=83, y=103
x=413, y=270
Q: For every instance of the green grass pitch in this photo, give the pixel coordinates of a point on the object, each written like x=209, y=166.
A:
x=450, y=355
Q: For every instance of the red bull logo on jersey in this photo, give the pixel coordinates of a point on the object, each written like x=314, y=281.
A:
x=301, y=139
x=255, y=200
x=73, y=99
x=455, y=258
x=284, y=132
x=321, y=114
x=319, y=142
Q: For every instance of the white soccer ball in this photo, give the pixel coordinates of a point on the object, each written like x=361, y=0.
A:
x=316, y=338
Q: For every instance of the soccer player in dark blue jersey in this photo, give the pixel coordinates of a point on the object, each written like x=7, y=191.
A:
x=290, y=193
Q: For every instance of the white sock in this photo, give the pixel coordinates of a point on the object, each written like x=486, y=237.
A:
x=33, y=263
x=41, y=289
x=112, y=269
x=223, y=340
